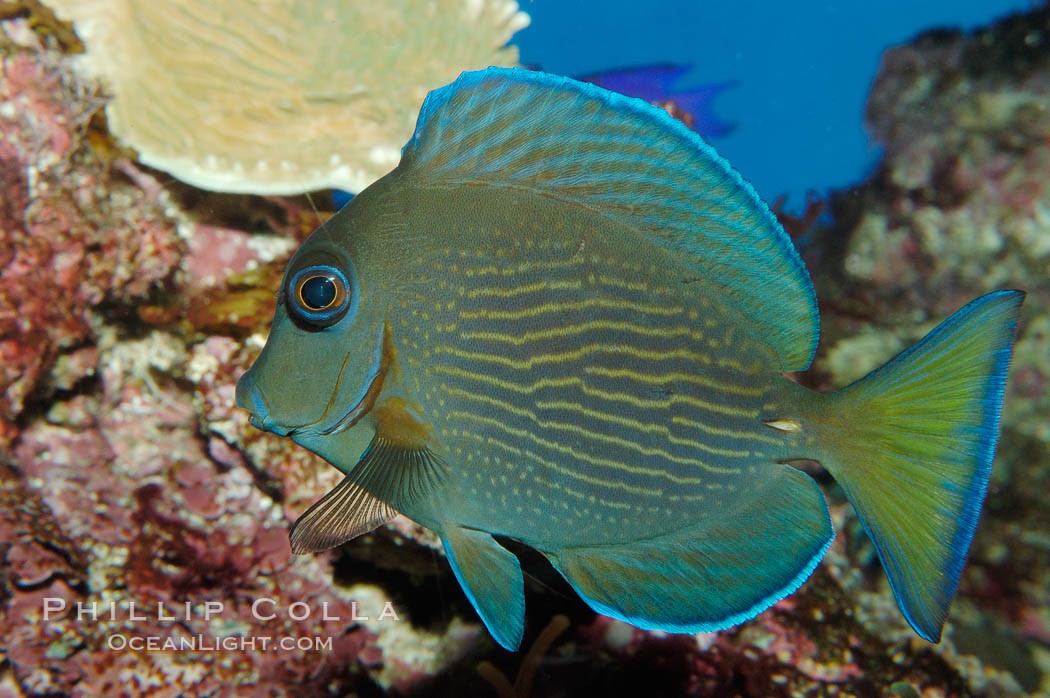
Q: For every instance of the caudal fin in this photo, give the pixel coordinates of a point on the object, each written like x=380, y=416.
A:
x=912, y=444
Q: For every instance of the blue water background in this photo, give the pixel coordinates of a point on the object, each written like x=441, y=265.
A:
x=802, y=69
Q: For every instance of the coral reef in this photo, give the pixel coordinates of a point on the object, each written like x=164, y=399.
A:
x=280, y=97
x=959, y=206
x=131, y=485
x=71, y=238
x=127, y=520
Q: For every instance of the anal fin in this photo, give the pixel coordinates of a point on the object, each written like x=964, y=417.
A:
x=491, y=577
x=718, y=572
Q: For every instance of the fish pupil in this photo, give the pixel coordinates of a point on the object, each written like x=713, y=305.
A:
x=318, y=292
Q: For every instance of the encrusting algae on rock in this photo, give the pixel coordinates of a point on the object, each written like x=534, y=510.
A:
x=959, y=205
x=123, y=489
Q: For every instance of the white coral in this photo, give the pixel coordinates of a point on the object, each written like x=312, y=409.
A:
x=280, y=96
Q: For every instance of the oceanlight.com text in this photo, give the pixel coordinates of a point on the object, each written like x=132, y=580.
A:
x=214, y=643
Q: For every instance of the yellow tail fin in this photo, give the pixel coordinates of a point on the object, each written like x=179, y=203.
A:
x=912, y=444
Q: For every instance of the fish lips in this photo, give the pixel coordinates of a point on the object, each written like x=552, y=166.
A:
x=250, y=398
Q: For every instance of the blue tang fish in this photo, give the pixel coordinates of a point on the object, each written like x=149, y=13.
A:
x=564, y=319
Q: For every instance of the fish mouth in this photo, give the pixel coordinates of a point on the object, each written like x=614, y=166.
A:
x=248, y=397
x=375, y=387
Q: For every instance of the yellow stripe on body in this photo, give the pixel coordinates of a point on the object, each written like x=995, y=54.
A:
x=606, y=280
x=609, y=439
x=571, y=306
x=577, y=382
x=560, y=357
x=731, y=433
x=648, y=403
x=570, y=472
x=677, y=376
x=649, y=428
x=582, y=328
x=502, y=292
x=532, y=362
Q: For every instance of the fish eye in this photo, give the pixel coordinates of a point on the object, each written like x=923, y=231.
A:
x=319, y=294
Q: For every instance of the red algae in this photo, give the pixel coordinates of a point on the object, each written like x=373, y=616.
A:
x=62, y=252
x=130, y=488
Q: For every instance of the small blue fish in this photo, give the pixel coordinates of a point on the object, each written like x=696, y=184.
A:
x=656, y=85
x=564, y=319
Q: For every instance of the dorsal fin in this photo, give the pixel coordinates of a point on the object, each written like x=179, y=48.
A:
x=633, y=163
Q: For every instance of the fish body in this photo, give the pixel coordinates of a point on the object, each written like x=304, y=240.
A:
x=564, y=319
x=559, y=368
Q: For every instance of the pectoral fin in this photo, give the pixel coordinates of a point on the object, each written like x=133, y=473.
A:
x=344, y=513
x=397, y=470
x=491, y=577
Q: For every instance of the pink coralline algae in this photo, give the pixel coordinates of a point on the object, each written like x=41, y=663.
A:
x=129, y=520
x=148, y=532
x=72, y=236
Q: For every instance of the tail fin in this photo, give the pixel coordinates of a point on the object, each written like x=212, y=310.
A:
x=912, y=443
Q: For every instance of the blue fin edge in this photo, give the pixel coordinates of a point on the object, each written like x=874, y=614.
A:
x=992, y=403
x=733, y=620
x=993, y=410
